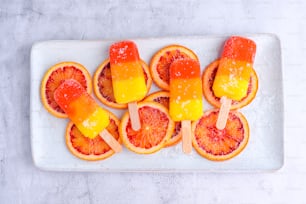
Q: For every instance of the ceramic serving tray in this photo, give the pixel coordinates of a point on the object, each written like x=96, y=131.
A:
x=264, y=151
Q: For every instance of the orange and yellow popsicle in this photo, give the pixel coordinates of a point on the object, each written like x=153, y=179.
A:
x=186, y=103
x=127, y=77
x=233, y=74
x=127, y=74
x=83, y=111
x=234, y=71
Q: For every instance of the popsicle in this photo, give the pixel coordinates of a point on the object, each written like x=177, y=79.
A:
x=84, y=112
x=233, y=74
x=186, y=103
x=127, y=77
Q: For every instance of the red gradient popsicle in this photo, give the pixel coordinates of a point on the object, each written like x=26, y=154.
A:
x=84, y=112
x=186, y=102
x=233, y=74
x=127, y=77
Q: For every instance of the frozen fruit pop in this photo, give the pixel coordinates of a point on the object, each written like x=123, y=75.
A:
x=186, y=103
x=127, y=77
x=84, y=112
x=233, y=74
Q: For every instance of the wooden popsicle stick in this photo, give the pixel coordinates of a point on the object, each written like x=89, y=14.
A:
x=134, y=115
x=111, y=141
x=226, y=104
x=186, y=136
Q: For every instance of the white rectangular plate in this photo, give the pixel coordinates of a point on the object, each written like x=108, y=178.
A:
x=264, y=151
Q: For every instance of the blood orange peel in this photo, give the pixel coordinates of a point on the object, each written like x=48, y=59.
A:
x=54, y=76
x=91, y=149
x=156, y=128
x=220, y=145
x=160, y=63
x=162, y=97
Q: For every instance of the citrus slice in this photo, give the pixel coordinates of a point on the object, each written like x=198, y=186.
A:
x=91, y=149
x=103, y=88
x=156, y=128
x=55, y=76
x=160, y=63
x=208, y=80
x=219, y=145
x=162, y=97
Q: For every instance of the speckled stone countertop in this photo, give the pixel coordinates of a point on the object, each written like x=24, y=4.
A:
x=23, y=23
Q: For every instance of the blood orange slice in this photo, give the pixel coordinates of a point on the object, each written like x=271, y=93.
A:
x=103, y=88
x=208, y=80
x=162, y=97
x=160, y=63
x=156, y=128
x=219, y=145
x=55, y=76
x=91, y=149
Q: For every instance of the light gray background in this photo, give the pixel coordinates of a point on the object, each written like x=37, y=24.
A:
x=23, y=23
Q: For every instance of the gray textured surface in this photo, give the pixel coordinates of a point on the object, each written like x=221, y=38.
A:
x=24, y=22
